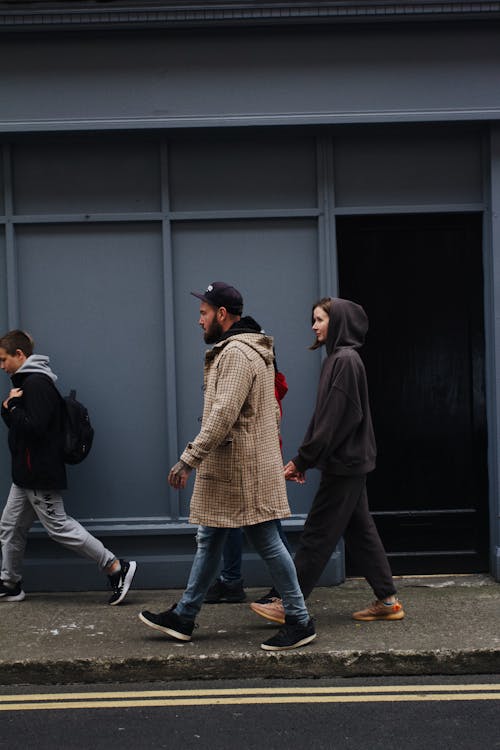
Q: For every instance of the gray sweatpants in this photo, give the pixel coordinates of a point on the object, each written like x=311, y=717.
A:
x=25, y=506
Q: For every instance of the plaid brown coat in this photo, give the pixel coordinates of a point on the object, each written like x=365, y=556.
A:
x=239, y=479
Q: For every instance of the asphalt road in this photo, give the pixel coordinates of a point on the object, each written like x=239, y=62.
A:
x=405, y=714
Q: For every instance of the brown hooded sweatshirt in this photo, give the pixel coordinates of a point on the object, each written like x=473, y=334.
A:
x=340, y=438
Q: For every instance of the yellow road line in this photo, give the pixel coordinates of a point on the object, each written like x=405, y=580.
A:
x=239, y=701
x=252, y=696
x=360, y=690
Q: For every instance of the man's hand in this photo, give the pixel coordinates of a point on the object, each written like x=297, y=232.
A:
x=293, y=475
x=178, y=475
x=14, y=393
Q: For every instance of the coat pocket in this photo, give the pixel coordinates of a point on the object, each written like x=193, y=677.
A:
x=219, y=463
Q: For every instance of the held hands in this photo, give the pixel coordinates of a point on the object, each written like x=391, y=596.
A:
x=178, y=475
x=293, y=475
x=14, y=393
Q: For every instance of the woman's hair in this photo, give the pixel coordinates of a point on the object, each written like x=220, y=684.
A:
x=14, y=340
x=326, y=305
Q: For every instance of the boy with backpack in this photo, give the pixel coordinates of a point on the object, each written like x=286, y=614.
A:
x=34, y=413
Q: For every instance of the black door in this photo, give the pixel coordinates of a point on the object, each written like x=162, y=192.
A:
x=420, y=280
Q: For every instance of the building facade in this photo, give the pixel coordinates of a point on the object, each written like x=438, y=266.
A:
x=296, y=150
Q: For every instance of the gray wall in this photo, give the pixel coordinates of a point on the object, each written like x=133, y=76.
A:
x=102, y=236
x=106, y=236
x=294, y=76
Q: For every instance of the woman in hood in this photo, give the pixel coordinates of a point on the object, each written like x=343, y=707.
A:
x=340, y=443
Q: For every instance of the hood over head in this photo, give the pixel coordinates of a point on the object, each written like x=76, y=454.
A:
x=347, y=327
x=38, y=363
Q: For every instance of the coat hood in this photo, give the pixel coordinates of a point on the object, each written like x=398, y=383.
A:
x=347, y=327
x=38, y=363
x=259, y=342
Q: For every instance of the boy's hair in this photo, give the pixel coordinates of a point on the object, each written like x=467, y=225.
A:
x=14, y=340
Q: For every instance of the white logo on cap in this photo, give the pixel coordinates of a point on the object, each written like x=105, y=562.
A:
x=210, y=288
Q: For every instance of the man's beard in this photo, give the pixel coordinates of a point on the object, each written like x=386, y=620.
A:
x=213, y=334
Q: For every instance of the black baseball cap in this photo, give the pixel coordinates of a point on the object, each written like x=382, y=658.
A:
x=220, y=294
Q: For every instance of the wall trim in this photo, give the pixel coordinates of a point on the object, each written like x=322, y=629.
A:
x=171, y=15
x=251, y=120
x=164, y=526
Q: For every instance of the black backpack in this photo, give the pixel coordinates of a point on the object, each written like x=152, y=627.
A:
x=78, y=432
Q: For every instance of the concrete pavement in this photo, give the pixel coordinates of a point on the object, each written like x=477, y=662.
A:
x=452, y=626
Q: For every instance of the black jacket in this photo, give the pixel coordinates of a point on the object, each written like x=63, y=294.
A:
x=36, y=433
x=340, y=437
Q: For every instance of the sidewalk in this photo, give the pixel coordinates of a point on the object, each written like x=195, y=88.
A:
x=452, y=626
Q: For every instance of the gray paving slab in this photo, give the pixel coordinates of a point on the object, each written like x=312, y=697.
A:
x=452, y=626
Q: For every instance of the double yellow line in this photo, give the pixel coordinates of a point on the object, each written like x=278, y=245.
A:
x=242, y=696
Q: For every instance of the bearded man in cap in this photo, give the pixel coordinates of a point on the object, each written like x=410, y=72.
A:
x=239, y=470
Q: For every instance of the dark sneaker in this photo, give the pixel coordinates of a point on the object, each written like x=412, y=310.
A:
x=169, y=623
x=230, y=592
x=290, y=635
x=120, y=582
x=271, y=595
x=11, y=593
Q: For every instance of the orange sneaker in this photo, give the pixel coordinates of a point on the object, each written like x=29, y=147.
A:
x=380, y=611
x=272, y=611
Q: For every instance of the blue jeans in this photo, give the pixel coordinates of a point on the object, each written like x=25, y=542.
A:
x=267, y=541
x=232, y=552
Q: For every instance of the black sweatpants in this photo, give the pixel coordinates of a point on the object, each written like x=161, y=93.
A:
x=340, y=508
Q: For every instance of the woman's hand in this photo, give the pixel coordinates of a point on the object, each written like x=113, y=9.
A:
x=293, y=475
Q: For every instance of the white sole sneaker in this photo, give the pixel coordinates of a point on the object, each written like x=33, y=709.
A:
x=13, y=597
x=129, y=575
x=297, y=644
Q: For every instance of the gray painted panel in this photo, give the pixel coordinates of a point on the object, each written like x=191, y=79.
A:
x=2, y=189
x=162, y=563
x=3, y=282
x=349, y=73
x=250, y=172
x=93, y=298
x=493, y=352
x=4, y=381
x=395, y=166
x=79, y=175
x=275, y=266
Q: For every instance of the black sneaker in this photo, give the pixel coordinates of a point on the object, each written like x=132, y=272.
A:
x=11, y=593
x=230, y=592
x=170, y=623
x=120, y=581
x=271, y=595
x=290, y=635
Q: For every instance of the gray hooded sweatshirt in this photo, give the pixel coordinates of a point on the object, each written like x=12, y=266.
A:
x=37, y=363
